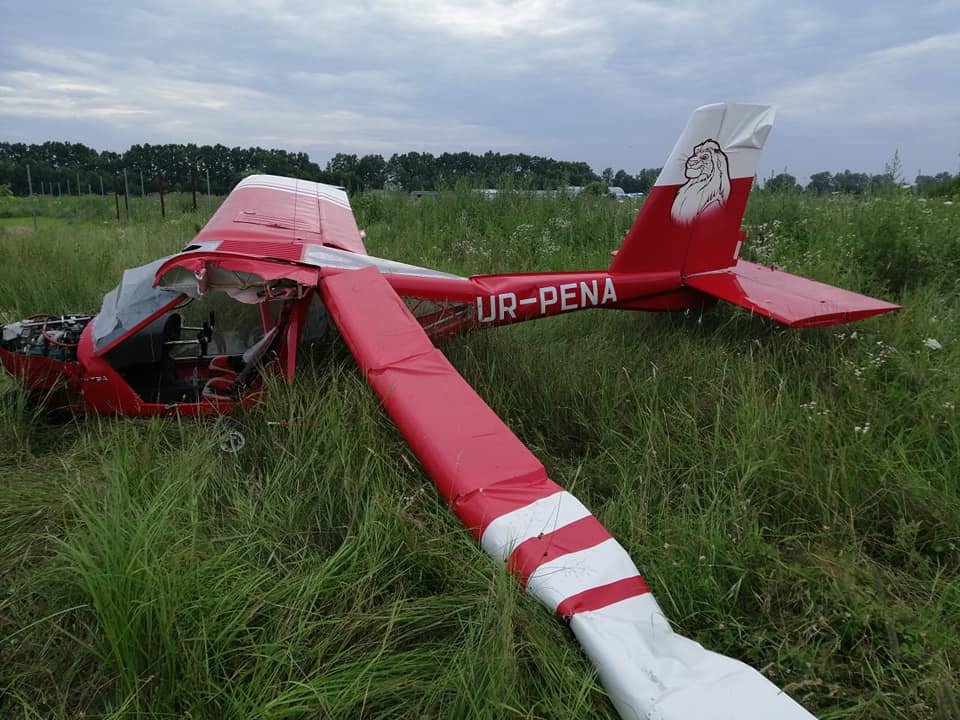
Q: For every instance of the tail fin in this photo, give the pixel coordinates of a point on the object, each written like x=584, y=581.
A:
x=691, y=219
x=690, y=223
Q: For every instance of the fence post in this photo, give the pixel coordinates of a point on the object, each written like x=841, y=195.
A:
x=193, y=185
x=102, y=193
x=163, y=207
x=78, y=184
x=126, y=195
x=142, y=193
x=116, y=195
x=33, y=200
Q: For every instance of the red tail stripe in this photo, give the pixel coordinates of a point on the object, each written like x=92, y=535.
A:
x=578, y=535
x=599, y=597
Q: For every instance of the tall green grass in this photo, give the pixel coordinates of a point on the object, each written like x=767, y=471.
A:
x=318, y=574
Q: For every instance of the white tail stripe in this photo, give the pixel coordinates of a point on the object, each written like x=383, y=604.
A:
x=740, y=130
x=539, y=517
x=573, y=573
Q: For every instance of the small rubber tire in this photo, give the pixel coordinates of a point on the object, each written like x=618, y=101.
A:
x=232, y=438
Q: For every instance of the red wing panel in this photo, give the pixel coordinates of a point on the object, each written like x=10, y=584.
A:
x=790, y=299
x=271, y=209
x=562, y=555
x=482, y=469
x=461, y=442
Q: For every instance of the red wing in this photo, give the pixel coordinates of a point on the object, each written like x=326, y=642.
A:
x=264, y=212
x=562, y=554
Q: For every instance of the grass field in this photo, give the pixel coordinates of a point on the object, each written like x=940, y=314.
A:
x=792, y=497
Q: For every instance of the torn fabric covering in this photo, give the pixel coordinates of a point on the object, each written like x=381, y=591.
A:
x=502, y=493
x=132, y=301
x=244, y=279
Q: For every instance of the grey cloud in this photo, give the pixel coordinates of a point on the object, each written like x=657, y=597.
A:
x=609, y=82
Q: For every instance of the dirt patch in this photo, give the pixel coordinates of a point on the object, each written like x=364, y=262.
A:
x=16, y=230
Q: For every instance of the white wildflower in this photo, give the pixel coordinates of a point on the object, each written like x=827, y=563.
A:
x=933, y=344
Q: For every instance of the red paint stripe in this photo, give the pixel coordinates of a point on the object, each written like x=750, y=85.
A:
x=578, y=535
x=600, y=597
x=478, y=508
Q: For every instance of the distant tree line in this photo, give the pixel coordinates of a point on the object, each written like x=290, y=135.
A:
x=182, y=167
x=69, y=167
x=858, y=183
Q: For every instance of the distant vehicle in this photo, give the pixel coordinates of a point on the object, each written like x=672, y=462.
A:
x=193, y=333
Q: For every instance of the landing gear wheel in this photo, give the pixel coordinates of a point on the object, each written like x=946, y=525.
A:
x=232, y=438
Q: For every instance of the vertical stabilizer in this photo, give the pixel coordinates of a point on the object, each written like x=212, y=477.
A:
x=691, y=220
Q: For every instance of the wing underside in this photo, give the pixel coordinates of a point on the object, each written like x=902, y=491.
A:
x=558, y=550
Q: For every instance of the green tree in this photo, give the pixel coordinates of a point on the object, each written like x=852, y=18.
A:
x=647, y=177
x=820, y=183
x=783, y=182
x=851, y=182
x=371, y=169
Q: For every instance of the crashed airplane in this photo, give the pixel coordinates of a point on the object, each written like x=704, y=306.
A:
x=194, y=333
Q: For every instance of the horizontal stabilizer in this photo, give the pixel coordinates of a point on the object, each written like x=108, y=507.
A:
x=790, y=299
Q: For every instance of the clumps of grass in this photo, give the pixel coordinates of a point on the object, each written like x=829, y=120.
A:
x=790, y=496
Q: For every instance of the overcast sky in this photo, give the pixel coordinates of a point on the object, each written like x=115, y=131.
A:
x=610, y=83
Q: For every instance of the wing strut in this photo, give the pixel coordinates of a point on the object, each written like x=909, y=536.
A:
x=562, y=554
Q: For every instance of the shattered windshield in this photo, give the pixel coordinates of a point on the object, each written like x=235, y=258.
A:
x=131, y=302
